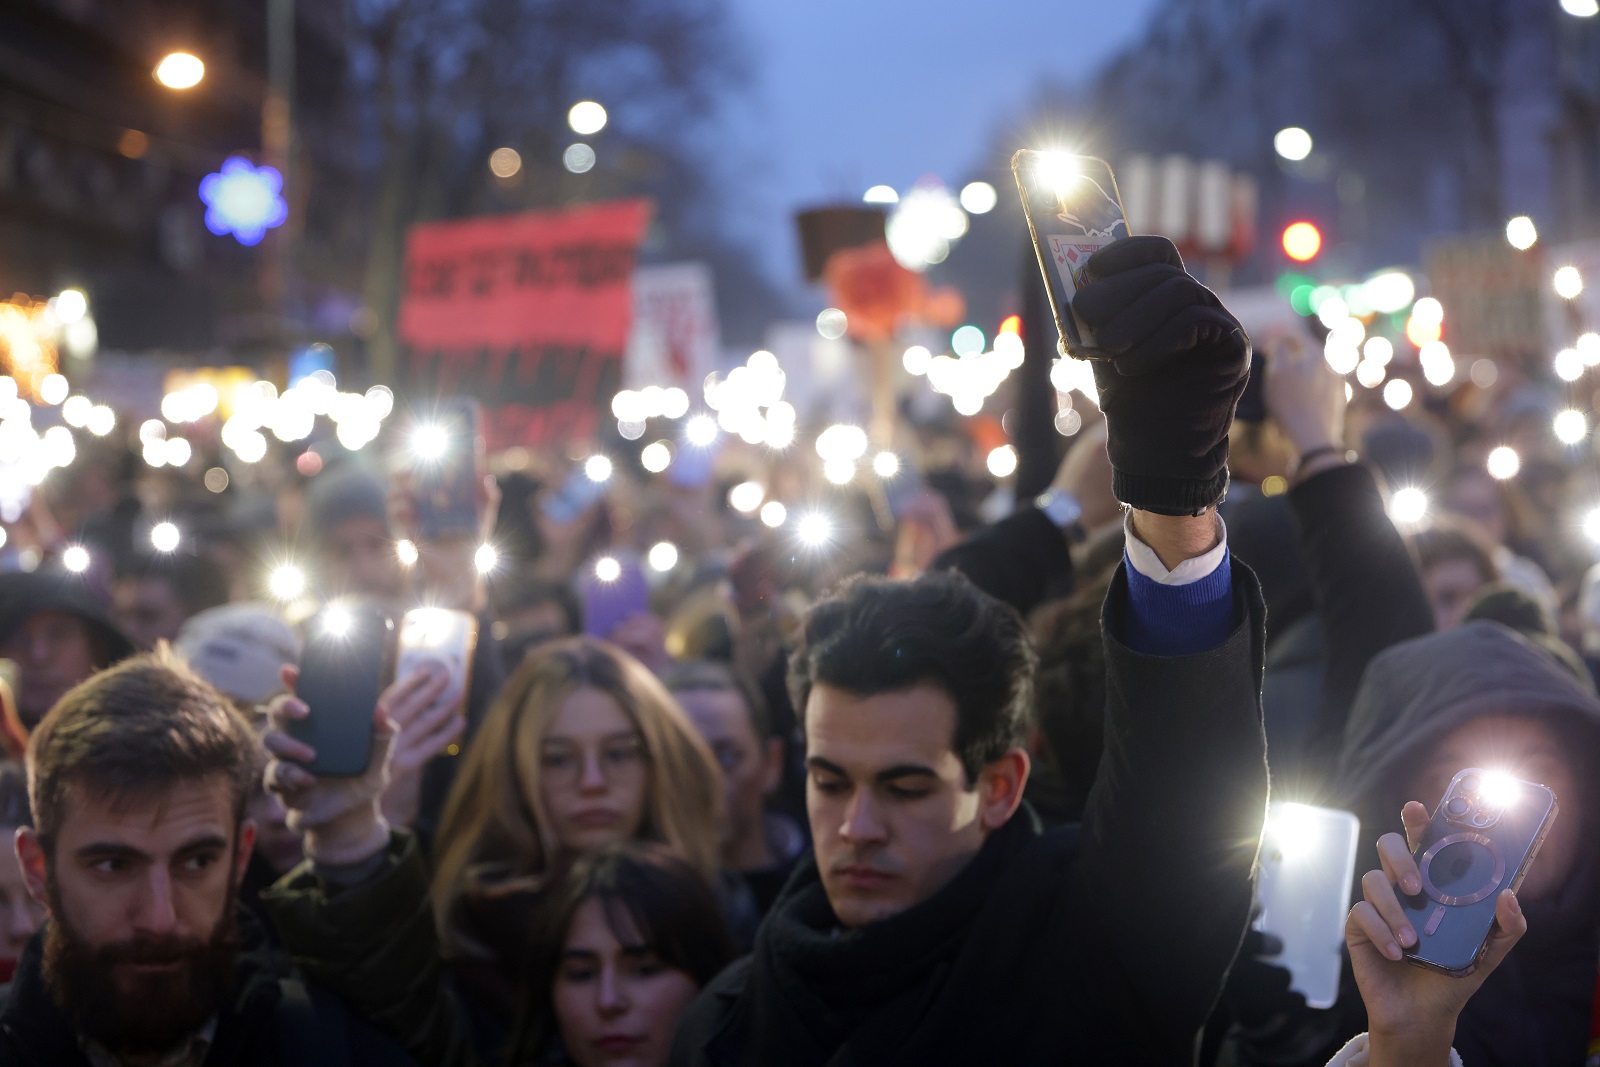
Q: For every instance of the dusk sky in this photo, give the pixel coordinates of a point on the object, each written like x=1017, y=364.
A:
x=846, y=94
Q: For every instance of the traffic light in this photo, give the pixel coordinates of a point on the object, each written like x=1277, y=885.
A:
x=1302, y=241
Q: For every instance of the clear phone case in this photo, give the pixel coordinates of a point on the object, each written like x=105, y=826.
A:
x=1308, y=864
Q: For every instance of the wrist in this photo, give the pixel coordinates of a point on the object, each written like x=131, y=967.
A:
x=1175, y=538
x=1415, y=1046
x=351, y=839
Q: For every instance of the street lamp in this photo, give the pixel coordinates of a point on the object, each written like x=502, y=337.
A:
x=180, y=70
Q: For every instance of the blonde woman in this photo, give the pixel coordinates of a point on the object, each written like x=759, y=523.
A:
x=583, y=748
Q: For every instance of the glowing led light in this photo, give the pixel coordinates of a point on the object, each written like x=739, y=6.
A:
x=179, y=452
x=831, y=323
x=839, y=471
x=916, y=360
x=70, y=306
x=337, y=621
x=430, y=442
x=1055, y=170
x=287, y=582
x=1292, y=143
x=656, y=457
x=1499, y=789
x=607, y=569
x=165, y=537
x=1583, y=9
x=701, y=431
x=1397, y=393
x=251, y=447
x=1591, y=525
x=1571, y=426
x=967, y=341
x=1391, y=291
x=746, y=497
x=54, y=389
x=1002, y=461
x=663, y=556
x=180, y=70
x=102, y=420
x=1438, y=367
x=1504, y=463
x=586, y=118
x=815, y=530
x=1521, y=234
x=842, y=441
x=486, y=559
x=1569, y=365
x=1408, y=506
x=1333, y=311
x=75, y=411
x=774, y=514
x=1379, y=350
x=1568, y=283
x=406, y=552
x=881, y=194
x=1342, y=358
x=979, y=198
x=243, y=200
x=505, y=162
x=75, y=558
x=1301, y=241
x=1370, y=374
x=578, y=158
x=1588, y=346
x=597, y=468
x=886, y=464
x=674, y=403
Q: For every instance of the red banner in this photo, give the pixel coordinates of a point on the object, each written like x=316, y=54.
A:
x=528, y=312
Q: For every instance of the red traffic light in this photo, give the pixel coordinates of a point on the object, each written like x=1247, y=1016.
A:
x=1301, y=241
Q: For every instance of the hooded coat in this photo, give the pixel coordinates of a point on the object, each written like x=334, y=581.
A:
x=1535, y=1010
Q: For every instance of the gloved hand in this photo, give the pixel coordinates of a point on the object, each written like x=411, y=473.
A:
x=1179, y=362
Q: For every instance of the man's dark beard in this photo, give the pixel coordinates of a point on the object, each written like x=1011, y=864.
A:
x=157, y=1012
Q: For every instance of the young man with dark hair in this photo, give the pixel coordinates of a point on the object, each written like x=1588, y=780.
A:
x=936, y=922
x=138, y=780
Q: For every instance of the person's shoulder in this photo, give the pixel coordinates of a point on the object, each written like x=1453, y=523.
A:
x=710, y=1014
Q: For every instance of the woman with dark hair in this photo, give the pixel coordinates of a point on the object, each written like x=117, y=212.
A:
x=629, y=938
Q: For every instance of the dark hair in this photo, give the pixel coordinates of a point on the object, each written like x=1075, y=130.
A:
x=145, y=724
x=876, y=635
x=198, y=582
x=650, y=895
x=1447, y=538
x=701, y=676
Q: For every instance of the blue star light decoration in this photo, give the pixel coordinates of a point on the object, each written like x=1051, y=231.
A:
x=243, y=200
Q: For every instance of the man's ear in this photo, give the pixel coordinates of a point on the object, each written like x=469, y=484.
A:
x=1000, y=786
x=247, y=844
x=771, y=765
x=35, y=868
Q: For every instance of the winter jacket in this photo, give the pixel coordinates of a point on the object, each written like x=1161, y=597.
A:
x=375, y=944
x=273, y=1019
x=1105, y=943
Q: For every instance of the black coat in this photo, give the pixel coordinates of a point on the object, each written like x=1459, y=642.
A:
x=1100, y=944
x=273, y=1019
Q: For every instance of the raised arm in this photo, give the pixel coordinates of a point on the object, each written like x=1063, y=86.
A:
x=1169, y=836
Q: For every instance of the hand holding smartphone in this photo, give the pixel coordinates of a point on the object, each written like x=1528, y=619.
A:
x=614, y=589
x=1073, y=210
x=347, y=661
x=438, y=635
x=444, y=460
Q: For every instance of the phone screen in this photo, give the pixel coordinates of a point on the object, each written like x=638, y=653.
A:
x=439, y=635
x=1073, y=211
x=445, y=453
x=343, y=669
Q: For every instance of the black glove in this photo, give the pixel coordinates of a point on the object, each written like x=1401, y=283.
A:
x=1179, y=361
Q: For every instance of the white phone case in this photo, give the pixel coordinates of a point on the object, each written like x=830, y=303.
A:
x=1308, y=863
x=441, y=635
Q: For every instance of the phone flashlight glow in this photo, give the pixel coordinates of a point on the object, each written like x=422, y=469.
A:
x=815, y=530
x=337, y=622
x=1500, y=790
x=1293, y=830
x=607, y=569
x=1055, y=171
x=430, y=442
x=431, y=627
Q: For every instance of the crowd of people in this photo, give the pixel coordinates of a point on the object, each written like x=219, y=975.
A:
x=952, y=792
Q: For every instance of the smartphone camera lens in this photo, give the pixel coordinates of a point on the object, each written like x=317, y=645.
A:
x=1457, y=807
x=1469, y=784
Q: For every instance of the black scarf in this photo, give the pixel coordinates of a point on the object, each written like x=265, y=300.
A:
x=817, y=990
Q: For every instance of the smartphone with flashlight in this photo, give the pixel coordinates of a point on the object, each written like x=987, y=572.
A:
x=1482, y=839
x=1307, y=867
x=614, y=589
x=347, y=661
x=446, y=470
x=439, y=635
x=1073, y=210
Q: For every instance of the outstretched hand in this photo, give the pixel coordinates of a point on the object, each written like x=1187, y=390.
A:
x=1406, y=1003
